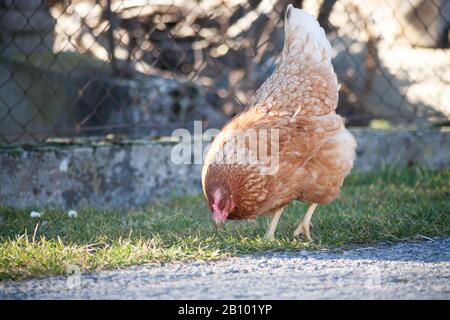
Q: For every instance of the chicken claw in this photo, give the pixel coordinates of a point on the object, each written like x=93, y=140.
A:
x=304, y=227
x=273, y=224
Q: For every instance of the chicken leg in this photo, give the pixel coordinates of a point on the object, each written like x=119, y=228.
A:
x=273, y=224
x=305, y=224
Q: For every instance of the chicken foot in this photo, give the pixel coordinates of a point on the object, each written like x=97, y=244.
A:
x=304, y=227
x=273, y=224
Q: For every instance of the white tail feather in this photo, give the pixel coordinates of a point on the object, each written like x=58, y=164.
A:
x=304, y=30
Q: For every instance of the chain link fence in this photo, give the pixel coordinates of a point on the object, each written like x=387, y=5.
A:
x=135, y=68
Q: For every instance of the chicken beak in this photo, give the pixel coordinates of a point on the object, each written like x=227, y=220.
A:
x=218, y=219
x=217, y=223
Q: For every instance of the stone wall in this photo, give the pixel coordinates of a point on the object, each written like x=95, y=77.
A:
x=126, y=175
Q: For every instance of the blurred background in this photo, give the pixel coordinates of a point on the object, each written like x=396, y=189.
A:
x=133, y=68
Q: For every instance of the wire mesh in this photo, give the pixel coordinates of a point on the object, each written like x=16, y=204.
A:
x=143, y=68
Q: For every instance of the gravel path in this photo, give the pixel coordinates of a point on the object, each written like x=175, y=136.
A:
x=417, y=270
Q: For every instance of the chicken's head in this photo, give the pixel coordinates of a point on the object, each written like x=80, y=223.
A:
x=221, y=204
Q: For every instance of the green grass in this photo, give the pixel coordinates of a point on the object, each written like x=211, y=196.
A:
x=387, y=205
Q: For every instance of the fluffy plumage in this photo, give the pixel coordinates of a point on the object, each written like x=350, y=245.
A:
x=315, y=150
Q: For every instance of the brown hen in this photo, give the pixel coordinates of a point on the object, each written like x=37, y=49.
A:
x=289, y=144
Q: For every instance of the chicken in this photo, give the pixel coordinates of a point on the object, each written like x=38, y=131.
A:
x=311, y=151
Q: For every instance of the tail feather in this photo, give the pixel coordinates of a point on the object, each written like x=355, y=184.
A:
x=303, y=30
